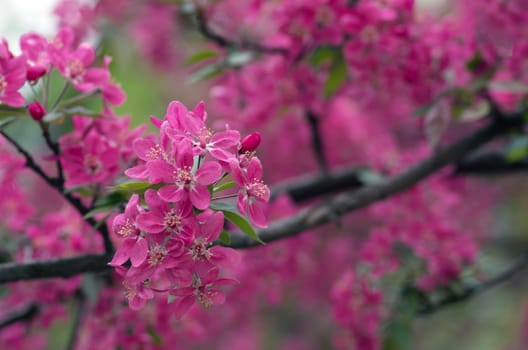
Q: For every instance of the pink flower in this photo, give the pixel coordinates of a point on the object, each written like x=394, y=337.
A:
x=203, y=253
x=134, y=246
x=12, y=77
x=161, y=217
x=254, y=193
x=185, y=125
x=203, y=290
x=185, y=182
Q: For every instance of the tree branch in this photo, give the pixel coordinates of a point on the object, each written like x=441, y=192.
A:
x=25, y=313
x=63, y=267
x=57, y=185
x=360, y=198
x=472, y=290
x=207, y=32
x=490, y=163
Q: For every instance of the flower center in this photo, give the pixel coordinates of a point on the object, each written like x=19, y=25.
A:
x=205, y=297
x=184, y=175
x=127, y=229
x=92, y=163
x=156, y=255
x=76, y=68
x=154, y=152
x=172, y=220
x=256, y=189
x=200, y=251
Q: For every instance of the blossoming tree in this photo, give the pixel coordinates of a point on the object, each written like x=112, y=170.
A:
x=329, y=177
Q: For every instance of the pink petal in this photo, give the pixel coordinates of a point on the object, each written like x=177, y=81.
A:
x=139, y=252
x=256, y=214
x=254, y=169
x=182, y=306
x=200, y=197
x=172, y=193
x=208, y=173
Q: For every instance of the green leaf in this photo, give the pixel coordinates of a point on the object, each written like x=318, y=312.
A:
x=321, y=55
x=224, y=237
x=337, y=74
x=242, y=224
x=223, y=187
x=133, y=187
x=9, y=112
x=98, y=210
x=518, y=149
x=222, y=206
x=200, y=56
x=106, y=203
x=207, y=72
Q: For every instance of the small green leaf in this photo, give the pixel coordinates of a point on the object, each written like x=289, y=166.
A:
x=224, y=187
x=111, y=199
x=518, y=149
x=135, y=187
x=224, y=237
x=200, y=56
x=242, y=224
x=207, y=72
x=337, y=74
x=222, y=206
x=321, y=55
x=98, y=210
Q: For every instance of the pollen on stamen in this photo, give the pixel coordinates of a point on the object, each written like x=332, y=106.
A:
x=127, y=229
x=156, y=255
x=154, y=153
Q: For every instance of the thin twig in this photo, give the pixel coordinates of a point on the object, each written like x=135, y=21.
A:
x=75, y=202
x=24, y=314
x=472, y=290
x=207, y=32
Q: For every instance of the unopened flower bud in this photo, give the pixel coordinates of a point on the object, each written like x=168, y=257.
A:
x=250, y=142
x=36, y=110
x=35, y=72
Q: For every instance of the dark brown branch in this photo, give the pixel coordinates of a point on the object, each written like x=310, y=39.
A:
x=490, y=163
x=207, y=32
x=353, y=200
x=317, y=141
x=24, y=314
x=312, y=186
x=472, y=290
x=63, y=267
x=56, y=184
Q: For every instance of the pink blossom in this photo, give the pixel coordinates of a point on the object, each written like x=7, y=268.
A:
x=12, y=77
x=254, y=194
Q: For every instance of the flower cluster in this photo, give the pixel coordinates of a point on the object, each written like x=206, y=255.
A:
x=40, y=56
x=169, y=240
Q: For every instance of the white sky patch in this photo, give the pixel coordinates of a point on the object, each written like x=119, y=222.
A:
x=18, y=17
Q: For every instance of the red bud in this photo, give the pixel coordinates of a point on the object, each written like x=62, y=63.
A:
x=36, y=110
x=250, y=142
x=35, y=72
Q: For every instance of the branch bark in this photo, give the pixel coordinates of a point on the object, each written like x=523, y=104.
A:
x=63, y=267
x=364, y=196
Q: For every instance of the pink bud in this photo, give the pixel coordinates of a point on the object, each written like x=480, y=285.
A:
x=36, y=110
x=250, y=142
x=35, y=72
